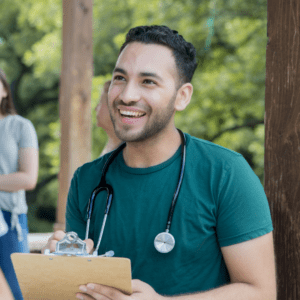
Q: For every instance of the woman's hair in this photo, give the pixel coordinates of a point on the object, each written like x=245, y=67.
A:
x=7, y=106
x=106, y=86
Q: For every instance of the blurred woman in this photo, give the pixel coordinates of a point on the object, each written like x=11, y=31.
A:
x=18, y=172
x=5, y=292
x=104, y=121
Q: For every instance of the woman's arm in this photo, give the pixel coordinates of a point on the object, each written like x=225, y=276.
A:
x=5, y=292
x=26, y=177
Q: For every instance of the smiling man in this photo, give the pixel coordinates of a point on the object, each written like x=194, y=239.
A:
x=219, y=214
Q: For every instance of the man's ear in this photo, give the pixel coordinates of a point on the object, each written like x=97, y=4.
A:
x=184, y=95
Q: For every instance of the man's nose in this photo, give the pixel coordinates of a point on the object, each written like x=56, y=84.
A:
x=131, y=93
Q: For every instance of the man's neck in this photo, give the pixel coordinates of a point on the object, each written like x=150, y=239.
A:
x=153, y=151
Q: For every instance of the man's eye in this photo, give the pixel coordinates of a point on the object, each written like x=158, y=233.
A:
x=119, y=78
x=149, y=81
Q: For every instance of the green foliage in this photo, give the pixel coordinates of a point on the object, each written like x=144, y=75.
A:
x=228, y=101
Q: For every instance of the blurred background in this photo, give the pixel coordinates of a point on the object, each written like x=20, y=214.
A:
x=227, y=107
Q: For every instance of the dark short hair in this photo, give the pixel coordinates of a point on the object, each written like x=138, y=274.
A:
x=184, y=52
x=7, y=106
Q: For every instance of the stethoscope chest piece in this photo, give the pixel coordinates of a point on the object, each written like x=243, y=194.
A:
x=164, y=242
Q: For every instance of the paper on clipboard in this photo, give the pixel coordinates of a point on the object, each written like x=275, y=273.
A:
x=58, y=277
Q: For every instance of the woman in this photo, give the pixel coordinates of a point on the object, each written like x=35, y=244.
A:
x=104, y=121
x=18, y=172
x=5, y=292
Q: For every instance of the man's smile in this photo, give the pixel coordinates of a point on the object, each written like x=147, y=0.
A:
x=131, y=113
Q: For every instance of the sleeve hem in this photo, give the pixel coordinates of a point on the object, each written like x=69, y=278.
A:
x=246, y=236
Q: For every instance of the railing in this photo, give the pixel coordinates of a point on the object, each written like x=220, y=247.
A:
x=37, y=241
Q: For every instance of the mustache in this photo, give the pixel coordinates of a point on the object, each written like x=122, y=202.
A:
x=132, y=103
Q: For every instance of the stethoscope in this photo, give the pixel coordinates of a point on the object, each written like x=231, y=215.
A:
x=164, y=242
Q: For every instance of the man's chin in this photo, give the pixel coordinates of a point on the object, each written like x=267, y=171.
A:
x=130, y=137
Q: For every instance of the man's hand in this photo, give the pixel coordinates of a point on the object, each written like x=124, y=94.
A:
x=140, y=291
x=59, y=235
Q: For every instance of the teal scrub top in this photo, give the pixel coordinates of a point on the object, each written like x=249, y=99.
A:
x=221, y=203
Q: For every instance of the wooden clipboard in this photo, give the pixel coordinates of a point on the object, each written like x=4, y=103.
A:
x=58, y=277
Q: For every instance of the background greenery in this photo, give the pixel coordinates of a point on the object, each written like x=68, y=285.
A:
x=228, y=102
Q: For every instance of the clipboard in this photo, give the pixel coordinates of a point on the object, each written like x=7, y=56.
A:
x=59, y=276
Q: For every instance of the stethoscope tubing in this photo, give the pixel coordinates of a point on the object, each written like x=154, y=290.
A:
x=104, y=186
x=171, y=211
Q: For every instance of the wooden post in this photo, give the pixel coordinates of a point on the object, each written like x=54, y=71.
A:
x=282, y=141
x=75, y=96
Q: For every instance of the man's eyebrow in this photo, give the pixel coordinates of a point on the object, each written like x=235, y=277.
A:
x=142, y=74
x=120, y=70
x=150, y=74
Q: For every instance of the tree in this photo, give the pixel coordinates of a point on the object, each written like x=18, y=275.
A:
x=228, y=102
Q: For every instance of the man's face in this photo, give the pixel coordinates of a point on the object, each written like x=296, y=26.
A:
x=143, y=91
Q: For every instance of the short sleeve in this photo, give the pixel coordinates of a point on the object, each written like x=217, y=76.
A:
x=28, y=137
x=74, y=219
x=243, y=211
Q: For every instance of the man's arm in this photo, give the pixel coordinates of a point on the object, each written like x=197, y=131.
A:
x=26, y=177
x=251, y=266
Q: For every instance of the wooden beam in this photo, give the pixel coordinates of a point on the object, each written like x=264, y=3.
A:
x=75, y=96
x=282, y=140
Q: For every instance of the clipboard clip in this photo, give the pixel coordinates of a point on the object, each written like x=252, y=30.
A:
x=72, y=245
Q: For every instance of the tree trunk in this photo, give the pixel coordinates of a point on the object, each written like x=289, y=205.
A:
x=75, y=96
x=282, y=141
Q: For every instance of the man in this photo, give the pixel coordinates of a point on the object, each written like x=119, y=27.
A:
x=221, y=222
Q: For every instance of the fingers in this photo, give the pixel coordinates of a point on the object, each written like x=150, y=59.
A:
x=89, y=245
x=87, y=297
x=59, y=235
x=100, y=292
x=137, y=285
x=144, y=290
x=55, y=237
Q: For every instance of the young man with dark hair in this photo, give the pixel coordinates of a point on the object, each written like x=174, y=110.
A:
x=221, y=221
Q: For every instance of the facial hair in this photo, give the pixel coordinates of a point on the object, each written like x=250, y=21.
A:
x=158, y=123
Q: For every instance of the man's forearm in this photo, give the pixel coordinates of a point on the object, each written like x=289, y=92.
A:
x=16, y=181
x=234, y=291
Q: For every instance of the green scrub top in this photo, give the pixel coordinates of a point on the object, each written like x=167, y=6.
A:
x=221, y=203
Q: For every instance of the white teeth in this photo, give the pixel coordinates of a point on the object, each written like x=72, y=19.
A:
x=131, y=113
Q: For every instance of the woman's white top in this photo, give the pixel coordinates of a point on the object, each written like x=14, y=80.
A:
x=15, y=132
